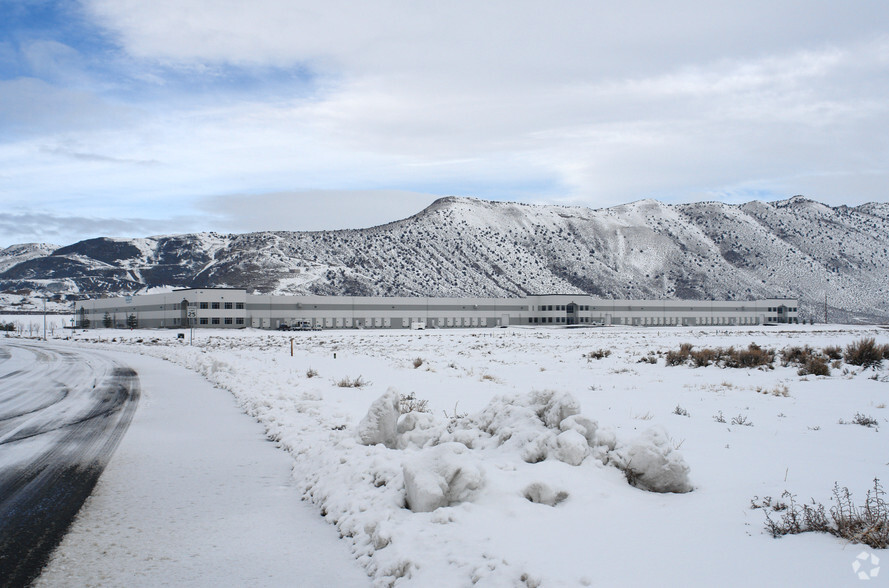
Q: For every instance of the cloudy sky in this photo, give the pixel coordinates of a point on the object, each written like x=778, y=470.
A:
x=137, y=117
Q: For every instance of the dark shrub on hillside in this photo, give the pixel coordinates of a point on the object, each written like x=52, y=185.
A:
x=865, y=353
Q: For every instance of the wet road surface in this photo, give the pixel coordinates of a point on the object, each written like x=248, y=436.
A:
x=62, y=414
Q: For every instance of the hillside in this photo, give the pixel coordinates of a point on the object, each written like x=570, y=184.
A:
x=463, y=246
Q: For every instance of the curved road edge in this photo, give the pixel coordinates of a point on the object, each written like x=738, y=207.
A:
x=66, y=446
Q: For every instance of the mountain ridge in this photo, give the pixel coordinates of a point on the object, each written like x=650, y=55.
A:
x=459, y=246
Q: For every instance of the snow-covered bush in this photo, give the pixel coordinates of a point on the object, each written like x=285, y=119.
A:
x=531, y=424
x=534, y=427
x=418, y=430
x=582, y=425
x=650, y=463
x=441, y=476
x=379, y=425
x=571, y=447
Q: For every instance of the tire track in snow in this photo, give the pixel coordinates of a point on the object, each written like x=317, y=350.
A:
x=55, y=441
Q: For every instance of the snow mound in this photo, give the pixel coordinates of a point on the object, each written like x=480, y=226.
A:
x=381, y=421
x=582, y=425
x=533, y=424
x=441, y=476
x=571, y=448
x=419, y=429
x=541, y=493
x=651, y=463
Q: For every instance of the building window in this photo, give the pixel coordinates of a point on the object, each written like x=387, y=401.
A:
x=228, y=306
x=205, y=305
x=215, y=319
x=214, y=305
x=204, y=320
x=239, y=321
x=239, y=306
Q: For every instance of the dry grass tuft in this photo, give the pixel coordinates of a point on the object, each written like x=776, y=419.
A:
x=410, y=403
x=348, y=382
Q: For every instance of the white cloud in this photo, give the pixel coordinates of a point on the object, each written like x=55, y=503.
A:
x=65, y=229
x=592, y=103
x=313, y=210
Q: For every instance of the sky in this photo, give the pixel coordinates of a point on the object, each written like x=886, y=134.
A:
x=133, y=118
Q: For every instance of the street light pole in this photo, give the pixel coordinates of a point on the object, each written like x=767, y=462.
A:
x=44, y=318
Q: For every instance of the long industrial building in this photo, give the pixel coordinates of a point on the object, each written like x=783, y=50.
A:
x=235, y=308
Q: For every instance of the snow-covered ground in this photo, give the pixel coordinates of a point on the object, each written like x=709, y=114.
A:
x=531, y=491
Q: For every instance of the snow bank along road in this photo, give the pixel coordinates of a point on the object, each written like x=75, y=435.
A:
x=62, y=413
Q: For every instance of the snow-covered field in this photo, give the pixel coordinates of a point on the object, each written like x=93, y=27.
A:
x=511, y=482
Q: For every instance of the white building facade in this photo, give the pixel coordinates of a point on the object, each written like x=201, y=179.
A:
x=235, y=308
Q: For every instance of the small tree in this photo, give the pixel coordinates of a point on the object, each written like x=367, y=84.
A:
x=132, y=321
x=106, y=321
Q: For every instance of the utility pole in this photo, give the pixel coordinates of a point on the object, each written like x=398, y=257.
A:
x=44, y=318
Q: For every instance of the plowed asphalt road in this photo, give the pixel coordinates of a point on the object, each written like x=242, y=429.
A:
x=62, y=414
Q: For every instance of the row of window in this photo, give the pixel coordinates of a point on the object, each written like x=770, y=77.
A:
x=225, y=321
x=549, y=307
x=225, y=305
x=781, y=309
x=556, y=319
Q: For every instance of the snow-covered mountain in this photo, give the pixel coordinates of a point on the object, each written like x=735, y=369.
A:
x=463, y=246
x=15, y=254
